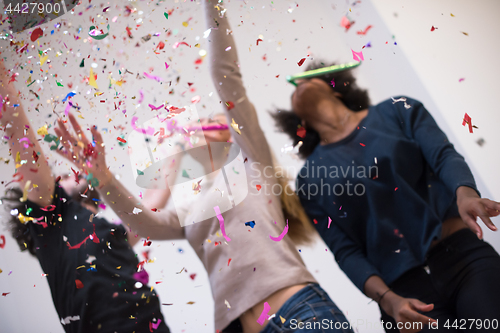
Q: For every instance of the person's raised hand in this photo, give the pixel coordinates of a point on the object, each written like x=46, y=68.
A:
x=88, y=156
x=471, y=206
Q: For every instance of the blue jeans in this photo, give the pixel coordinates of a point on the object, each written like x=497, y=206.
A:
x=310, y=310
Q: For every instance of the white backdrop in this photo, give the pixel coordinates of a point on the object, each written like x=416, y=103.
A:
x=425, y=65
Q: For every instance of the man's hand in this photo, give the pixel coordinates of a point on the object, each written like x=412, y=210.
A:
x=471, y=206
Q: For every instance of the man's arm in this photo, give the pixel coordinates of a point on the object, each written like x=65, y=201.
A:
x=29, y=158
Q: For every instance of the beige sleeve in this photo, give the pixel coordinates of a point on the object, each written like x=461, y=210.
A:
x=146, y=223
x=227, y=79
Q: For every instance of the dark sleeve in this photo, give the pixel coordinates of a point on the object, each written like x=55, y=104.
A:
x=439, y=153
x=348, y=254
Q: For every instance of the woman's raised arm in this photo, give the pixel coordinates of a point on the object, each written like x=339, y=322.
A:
x=32, y=170
x=226, y=76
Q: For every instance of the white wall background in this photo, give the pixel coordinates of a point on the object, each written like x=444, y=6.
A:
x=424, y=65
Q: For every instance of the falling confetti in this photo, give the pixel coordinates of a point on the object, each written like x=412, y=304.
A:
x=92, y=80
x=250, y=224
x=79, y=284
x=301, y=132
x=221, y=223
x=235, y=127
x=301, y=62
x=467, y=120
x=264, y=315
x=357, y=56
x=97, y=34
x=280, y=237
x=361, y=32
x=346, y=23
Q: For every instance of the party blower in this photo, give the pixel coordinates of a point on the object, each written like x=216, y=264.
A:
x=321, y=71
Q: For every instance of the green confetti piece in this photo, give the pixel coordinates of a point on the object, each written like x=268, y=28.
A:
x=98, y=37
x=185, y=174
x=51, y=137
x=166, y=15
x=82, y=63
x=59, y=84
x=236, y=172
x=28, y=211
x=31, y=83
x=140, y=173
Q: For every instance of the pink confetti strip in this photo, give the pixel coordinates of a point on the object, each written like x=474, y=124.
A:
x=329, y=222
x=142, y=97
x=26, y=145
x=155, y=326
x=467, y=120
x=357, y=56
x=155, y=107
x=153, y=77
x=221, y=223
x=280, y=237
x=149, y=131
x=264, y=315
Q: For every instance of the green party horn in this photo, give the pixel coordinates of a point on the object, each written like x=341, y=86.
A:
x=321, y=72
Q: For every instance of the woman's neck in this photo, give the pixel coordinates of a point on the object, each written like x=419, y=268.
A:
x=337, y=123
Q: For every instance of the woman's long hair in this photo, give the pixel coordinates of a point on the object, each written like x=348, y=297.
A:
x=300, y=228
x=20, y=231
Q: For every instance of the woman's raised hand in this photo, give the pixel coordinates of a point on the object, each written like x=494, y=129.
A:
x=87, y=155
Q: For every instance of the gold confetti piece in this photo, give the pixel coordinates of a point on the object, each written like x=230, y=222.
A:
x=92, y=81
x=235, y=127
x=452, y=15
x=43, y=59
x=18, y=157
x=190, y=302
x=25, y=191
x=91, y=218
x=131, y=317
x=185, y=23
x=118, y=267
x=82, y=266
x=208, y=240
x=42, y=130
x=1, y=271
x=466, y=34
x=24, y=219
x=282, y=320
x=227, y=304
